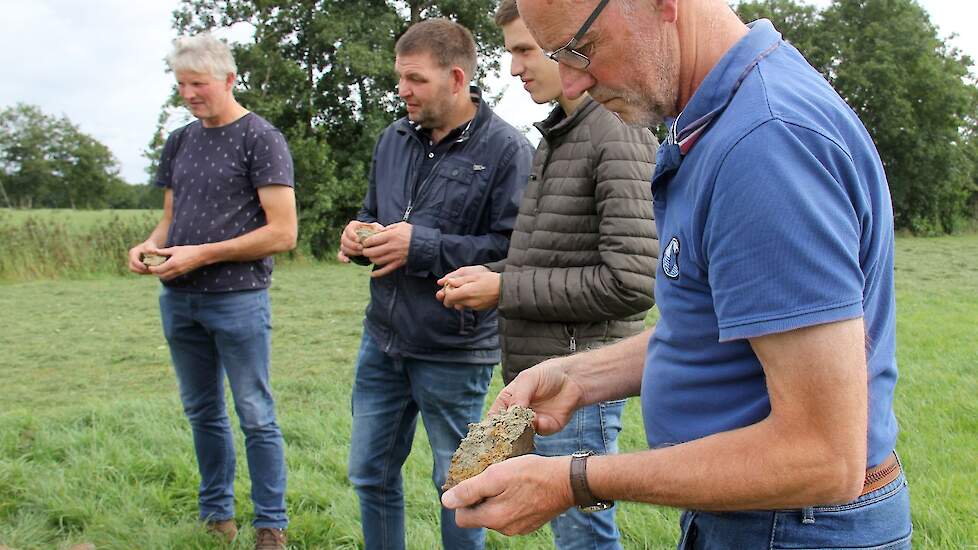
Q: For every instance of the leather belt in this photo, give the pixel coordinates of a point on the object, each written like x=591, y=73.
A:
x=880, y=476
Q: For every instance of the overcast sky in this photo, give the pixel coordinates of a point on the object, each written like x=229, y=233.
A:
x=100, y=63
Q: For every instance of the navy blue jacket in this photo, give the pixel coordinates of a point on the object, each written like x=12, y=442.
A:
x=463, y=214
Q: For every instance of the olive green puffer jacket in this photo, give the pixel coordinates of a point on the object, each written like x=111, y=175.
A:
x=582, y=257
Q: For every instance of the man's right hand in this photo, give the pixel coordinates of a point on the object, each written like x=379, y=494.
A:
x=549, y=390
x=349, y=241
x=136, y=264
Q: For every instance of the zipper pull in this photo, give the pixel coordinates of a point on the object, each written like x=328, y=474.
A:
x=573, y=343
x=407, y=213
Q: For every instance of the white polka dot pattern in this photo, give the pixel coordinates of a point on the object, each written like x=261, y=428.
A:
x=227, y=205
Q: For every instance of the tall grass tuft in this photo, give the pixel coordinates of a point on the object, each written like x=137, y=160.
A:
x=50, y=248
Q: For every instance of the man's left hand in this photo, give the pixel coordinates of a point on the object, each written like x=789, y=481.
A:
x=389, y=248
x=478, y=291
x=182, y=260
x=515, y=497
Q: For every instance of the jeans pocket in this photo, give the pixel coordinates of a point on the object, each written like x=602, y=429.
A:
x=610, y=414
x=879, y=520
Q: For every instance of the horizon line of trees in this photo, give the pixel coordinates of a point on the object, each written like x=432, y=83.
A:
x=48, y=162
x=322, y=72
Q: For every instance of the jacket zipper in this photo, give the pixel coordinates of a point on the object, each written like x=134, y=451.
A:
x=416, y=192
x=573, y=340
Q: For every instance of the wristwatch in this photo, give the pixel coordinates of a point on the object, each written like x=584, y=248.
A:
x=583, y=498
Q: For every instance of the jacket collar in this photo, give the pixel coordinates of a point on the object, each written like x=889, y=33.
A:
x=558, y=123
x=482, y=115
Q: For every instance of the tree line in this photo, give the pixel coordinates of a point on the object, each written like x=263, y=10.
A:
x=322, y=72
x=47, y=162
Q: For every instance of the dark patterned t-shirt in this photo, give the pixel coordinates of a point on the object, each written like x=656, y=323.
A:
x=215, y=174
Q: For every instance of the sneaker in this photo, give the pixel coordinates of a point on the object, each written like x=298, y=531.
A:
x=225, y=529
x=268, y=538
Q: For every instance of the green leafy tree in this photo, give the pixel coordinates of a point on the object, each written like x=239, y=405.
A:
x=48, y=162
x=322, y=72
x=915, y=95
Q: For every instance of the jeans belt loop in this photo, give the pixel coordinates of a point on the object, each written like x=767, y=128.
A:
x=808, y=515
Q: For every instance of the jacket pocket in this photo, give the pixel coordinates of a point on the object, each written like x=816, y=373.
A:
x=458, y=182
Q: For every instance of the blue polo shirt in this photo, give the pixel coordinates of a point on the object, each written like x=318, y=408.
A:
x=774, y=216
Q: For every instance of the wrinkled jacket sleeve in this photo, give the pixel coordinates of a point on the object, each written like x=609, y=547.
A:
x=435, y=253
x=622, y=284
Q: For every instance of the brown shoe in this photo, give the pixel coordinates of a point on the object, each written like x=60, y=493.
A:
x=226, y=529
x=267, y=538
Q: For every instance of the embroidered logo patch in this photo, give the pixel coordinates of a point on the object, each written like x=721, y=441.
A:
x=670, y=259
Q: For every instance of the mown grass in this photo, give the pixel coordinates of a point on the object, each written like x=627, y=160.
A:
x=94, y=447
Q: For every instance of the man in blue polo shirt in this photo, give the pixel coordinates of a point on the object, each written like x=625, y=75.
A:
x=767, y=385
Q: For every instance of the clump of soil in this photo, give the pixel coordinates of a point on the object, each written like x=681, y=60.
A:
x=153, y=260
x=365, y=232
x=501, y=436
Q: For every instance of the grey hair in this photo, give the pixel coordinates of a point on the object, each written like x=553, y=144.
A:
x=202, y=53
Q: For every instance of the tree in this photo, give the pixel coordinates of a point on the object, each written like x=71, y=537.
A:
x=914, y=94
x=48, y=162
x=322, y=72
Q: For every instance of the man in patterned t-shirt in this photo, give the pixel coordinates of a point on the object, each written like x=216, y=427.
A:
x=229, y=205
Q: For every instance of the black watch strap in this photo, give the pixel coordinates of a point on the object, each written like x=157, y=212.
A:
x=583, y=497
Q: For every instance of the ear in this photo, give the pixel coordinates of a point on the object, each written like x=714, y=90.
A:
x=229, y=81
x=460, y=82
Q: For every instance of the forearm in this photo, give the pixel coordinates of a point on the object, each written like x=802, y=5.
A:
x=255, y=245
x=763, y=466
x=599, y=293
x=611, y=372
x=811, y=448
x=158, y=236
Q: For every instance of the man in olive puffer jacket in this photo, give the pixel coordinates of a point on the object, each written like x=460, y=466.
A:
x=582, y=257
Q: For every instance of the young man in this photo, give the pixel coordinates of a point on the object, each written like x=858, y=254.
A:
x=767, y=384
x=444, y=189
x=579, y=272
x=229, y=205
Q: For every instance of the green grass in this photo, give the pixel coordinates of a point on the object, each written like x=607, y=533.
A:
x=94, y=447
x=76, y=220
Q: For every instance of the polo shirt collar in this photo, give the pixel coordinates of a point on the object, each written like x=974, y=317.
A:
x=721, y=84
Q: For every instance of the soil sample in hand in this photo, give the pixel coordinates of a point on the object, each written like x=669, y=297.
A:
x=365, y=232
x=501, y=436
x=152, y=260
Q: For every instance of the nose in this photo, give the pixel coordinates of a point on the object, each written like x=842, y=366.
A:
x=186, y=92
x=403, y=90
x=575, y=82
x=515, y=67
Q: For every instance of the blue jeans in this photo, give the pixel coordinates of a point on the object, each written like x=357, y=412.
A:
x=592, y=428
x=879, y=520
x=211, y=335
x=388, y=394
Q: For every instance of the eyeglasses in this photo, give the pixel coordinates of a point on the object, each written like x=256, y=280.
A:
x=567, y=54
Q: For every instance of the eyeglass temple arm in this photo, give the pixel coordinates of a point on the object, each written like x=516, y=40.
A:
x=590, y=20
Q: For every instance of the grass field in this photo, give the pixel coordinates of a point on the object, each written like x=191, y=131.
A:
x=75, y=220
x=94, y=447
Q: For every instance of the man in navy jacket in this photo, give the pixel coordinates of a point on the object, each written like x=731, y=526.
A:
x=445, y=188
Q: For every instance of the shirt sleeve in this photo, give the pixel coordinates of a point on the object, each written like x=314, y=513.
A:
x=782, y=237
x=164, y=171
x=271, y=161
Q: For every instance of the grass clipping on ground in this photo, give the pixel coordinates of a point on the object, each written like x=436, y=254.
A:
x=498, y=437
